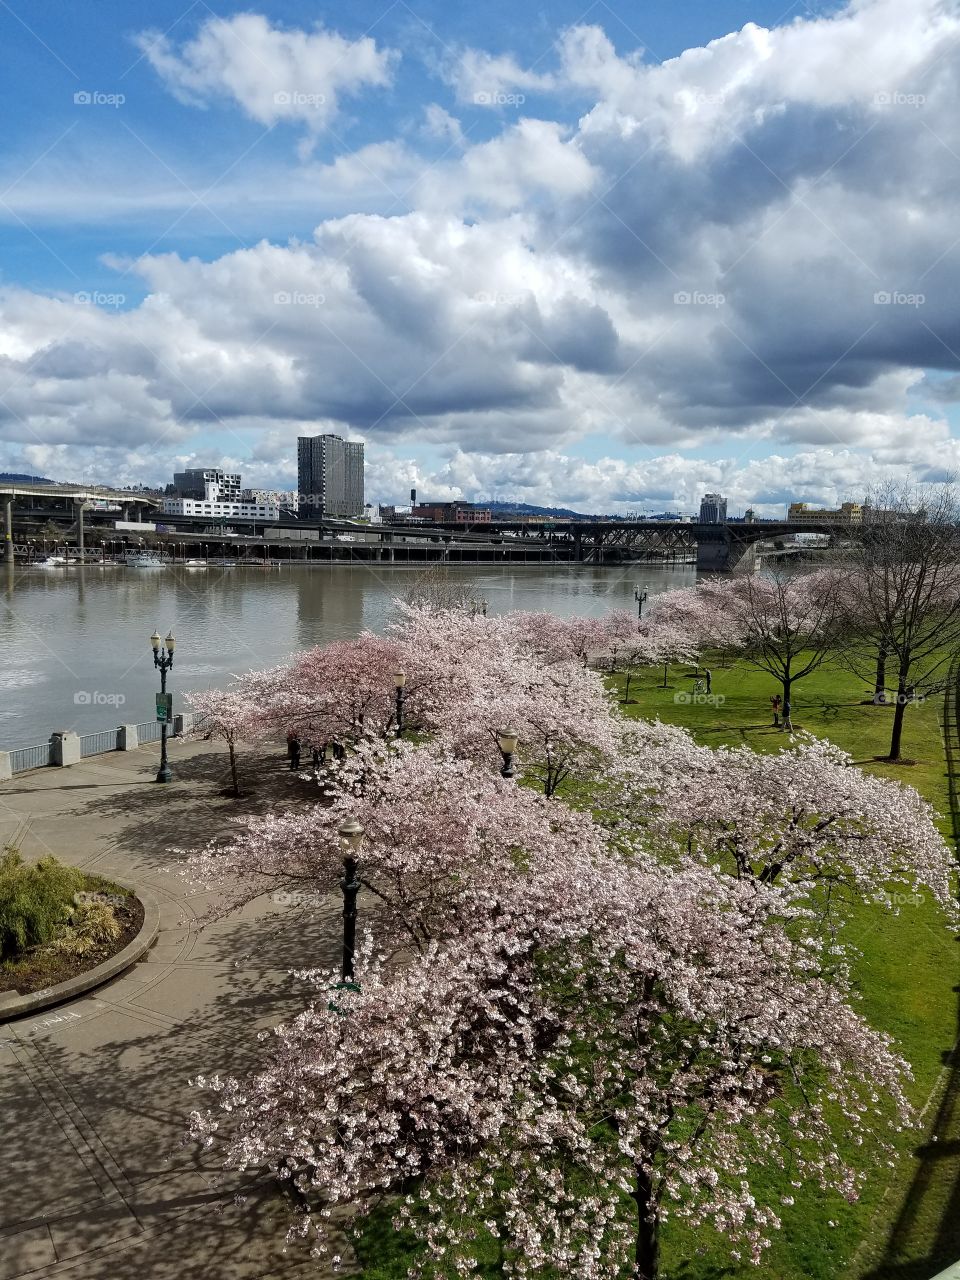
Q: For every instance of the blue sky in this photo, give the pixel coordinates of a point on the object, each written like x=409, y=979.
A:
x=605, y=255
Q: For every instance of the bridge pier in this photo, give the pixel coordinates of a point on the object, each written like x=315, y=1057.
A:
x=8, y=528
x=722, y=553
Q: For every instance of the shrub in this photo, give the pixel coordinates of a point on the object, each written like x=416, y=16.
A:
x=92, y=925
x=36, y=901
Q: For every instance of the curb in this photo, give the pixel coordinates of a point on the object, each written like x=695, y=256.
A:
x=14, y=1005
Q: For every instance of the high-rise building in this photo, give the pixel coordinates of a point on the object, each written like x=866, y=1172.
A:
x=713, y=509
x=207, y=484
x=329, y=476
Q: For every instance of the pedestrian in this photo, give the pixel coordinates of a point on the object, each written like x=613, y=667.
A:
x=295, y=748
x=316, y=760
x=290, y=737
x=787, y=722
x=776, y=703
x=709, y=674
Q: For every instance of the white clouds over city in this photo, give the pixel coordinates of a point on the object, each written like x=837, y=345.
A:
x=629, y=281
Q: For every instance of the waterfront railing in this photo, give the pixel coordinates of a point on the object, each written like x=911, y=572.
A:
x=65, y=748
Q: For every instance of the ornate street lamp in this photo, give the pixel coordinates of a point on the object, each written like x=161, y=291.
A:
x=163, y=661
x=640, y=597
x=507, y=742
x=399, y=680
x=351, y=833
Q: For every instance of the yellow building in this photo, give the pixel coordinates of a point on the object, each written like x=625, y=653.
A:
x=848, y=513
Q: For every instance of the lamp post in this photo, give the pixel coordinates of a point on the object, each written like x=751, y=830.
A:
x=351, y=833
x=163, y=661
x=507, y=742
x=399, y=680
x=640, y=597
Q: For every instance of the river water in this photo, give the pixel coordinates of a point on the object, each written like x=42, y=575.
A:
x=74, y=642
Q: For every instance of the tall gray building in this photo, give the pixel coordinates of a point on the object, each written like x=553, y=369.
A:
x=329, y=476
x=713, y=509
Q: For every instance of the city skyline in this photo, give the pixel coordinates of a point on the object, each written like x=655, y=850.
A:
x=608, y=261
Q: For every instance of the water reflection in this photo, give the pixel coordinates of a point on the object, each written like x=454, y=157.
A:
x=74, y=650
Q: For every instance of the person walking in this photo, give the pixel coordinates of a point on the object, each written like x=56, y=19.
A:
x=709, y=677
x=787, y=722
x=295, y=748
x=775, y=704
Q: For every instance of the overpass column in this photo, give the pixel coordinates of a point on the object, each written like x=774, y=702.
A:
x=79, y=507
x=8, y=528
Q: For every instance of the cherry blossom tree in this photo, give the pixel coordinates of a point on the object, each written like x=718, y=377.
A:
x=228, y=714
x=806, y=814
x=436, y=825
x=902, y=595
x=608, y=1045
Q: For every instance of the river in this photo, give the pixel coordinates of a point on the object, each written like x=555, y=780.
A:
x=74, y=642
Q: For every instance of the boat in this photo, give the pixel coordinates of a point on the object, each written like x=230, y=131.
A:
x=194, y=564
x=52, y=562
x=143, y=560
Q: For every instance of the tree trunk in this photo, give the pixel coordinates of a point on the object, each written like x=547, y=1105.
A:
x=880, y=683
x=233, y=769
x=899, y=710
x=647, y=1252
x=628, y=676
x=665, y=667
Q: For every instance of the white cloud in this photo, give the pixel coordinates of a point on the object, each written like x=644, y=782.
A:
x=693, y=269
x=494, y=80
x=272, y=74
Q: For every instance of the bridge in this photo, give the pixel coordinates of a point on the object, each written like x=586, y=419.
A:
x=70, y=498
x=717, y=548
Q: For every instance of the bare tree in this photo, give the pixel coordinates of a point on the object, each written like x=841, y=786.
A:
x=439, y=591
x=789, y=625
x=902, y=594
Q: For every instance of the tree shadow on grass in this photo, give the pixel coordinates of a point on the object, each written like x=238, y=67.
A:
x=925, y=1237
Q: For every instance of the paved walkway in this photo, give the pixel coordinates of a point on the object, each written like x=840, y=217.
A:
x=94, y=1181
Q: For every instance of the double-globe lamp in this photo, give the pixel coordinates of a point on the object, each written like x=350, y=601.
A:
x=163, y=662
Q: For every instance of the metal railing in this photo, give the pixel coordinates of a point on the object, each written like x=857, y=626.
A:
x=31, y=757
x=96, y=744
x=100, y=743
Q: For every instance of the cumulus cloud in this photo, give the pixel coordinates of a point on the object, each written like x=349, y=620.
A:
x=749, y=251
x=493, y=80
x=272, y=74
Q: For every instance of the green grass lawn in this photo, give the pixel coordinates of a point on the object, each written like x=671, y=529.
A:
x=907, y=1224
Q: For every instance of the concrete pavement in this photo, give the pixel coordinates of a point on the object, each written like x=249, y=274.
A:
x=94, y=1095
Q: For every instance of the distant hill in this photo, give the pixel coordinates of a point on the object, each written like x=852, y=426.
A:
x=15, y=477
x=507, y=509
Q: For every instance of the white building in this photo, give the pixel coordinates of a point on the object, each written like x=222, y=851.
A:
x=217, y=510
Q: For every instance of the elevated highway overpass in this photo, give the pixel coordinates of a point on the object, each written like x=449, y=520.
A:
x=719, y=548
